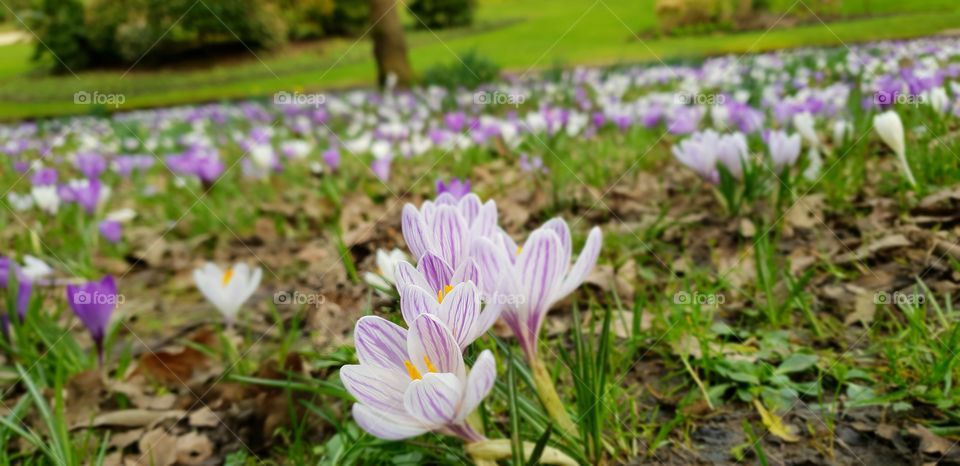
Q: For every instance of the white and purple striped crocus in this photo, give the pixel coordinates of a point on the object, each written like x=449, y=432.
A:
x=410, y=382
x=457, y=306
x=93, y=303
x=534, y=277
x=784, y=149
x=447, y=226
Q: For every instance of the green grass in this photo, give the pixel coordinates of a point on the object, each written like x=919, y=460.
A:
x=518, y=35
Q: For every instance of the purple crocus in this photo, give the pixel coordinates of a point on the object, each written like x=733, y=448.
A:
x=93, y=303
x=91, y=165
x=456, y=187
x=331, y=157
x=44, y=177
x=111, y=230
x=381, y=168
x=412, y=382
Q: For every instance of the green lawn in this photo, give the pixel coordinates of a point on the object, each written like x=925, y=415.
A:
x=517, y=34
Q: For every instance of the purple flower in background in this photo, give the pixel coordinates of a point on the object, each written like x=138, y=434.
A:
x=86, y=193
x=44, y=177
x=331, y=157
x=24, y=293
x=784, y=149
x=684, y=120
x=381, y=168
x=455, y=187
x=20, y=166
x=91, y=165
x=702, y=151
x=411, y=382
x=111, y=230
x=532, y=164
x=455, y=121
x=124, y=166
x=93, y=303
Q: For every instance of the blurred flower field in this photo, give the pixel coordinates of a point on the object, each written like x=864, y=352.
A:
x=749, y=259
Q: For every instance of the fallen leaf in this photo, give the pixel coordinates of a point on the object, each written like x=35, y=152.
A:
x=133, y=417
x=775, y=424
x=158, y=448
x=204, y=417
x=193, y=448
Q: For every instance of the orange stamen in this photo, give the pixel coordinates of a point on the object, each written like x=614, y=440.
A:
x=227, y=276
x=414, y=373
x=440, y=294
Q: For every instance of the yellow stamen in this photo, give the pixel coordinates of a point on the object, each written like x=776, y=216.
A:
x=414, y=373
x=430, y=367
x=227, y=276
x=519, y=250
x=440, y=294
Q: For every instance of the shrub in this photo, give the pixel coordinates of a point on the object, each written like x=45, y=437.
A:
x=347, y=17
x=59, y=24
x=439, y=14
x=470, y=71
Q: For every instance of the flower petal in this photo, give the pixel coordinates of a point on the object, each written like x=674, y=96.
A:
x=450, y=234
x=376, y=387
x=459, y=311
x=540, y=273
x=405, y=274
x=492, y=262
x=414, y=301
x=437, y=272
x=415, y=232
x=469, y=206
x=435, y=399
x=559, y=226
x=485, y=224
x=581, y=269
x=468, y=271
x=479, y=382
x=381, y=343
x=386, y=426
x=430, y=338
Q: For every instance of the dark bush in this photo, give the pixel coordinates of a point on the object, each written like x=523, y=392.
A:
x=470, y=71
x=59, y=25
x=347, y=17
x=439, y=14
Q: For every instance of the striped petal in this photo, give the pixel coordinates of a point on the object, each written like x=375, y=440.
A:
x=435, y=399
x=381, y=343
x=540, y=274
x=414, y=301
x=459, y=311
x=405, y=274
x=450, y=234
x=468, y=271
x=376, y=387
x=469, y=207
x=492, y=262
x=479, y=383
x=415, y=232
x=581, y=269
x=430, y=339
x=436, y=272
x=485, y=223
x=386, y=426
x=559, y=226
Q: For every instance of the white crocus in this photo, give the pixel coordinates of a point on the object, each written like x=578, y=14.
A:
x=387, y=262
x=35, y=269
x=46, y=198
x=227, y=289
x=890, y=128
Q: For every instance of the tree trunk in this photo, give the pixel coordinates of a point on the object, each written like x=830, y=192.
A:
x=389, y=47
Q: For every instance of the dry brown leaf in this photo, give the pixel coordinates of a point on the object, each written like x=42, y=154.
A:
x=193, y=448
x=864, y=308
x=158, y=448
x=204, y=417
x=134, y=417
x=124, y=439
x=930, y=442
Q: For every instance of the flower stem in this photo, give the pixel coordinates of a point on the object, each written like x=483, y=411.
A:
x=549, y=397
x=487, y=452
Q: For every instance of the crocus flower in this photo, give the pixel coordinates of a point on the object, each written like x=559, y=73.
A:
x=93, y=303
x=35, y=269
x=387, y=262
x=44, y=177
x=890, y=128
x=784, y=149
x=457, y=305
x=331, y=157
x=447, y=226
x=227, y=289
x=456, y=187
x=703, y=150
x=536, y=276
x=91, y=165
x=381, y=168
x=111, y=230
x=47, y=198
x=412, y=382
